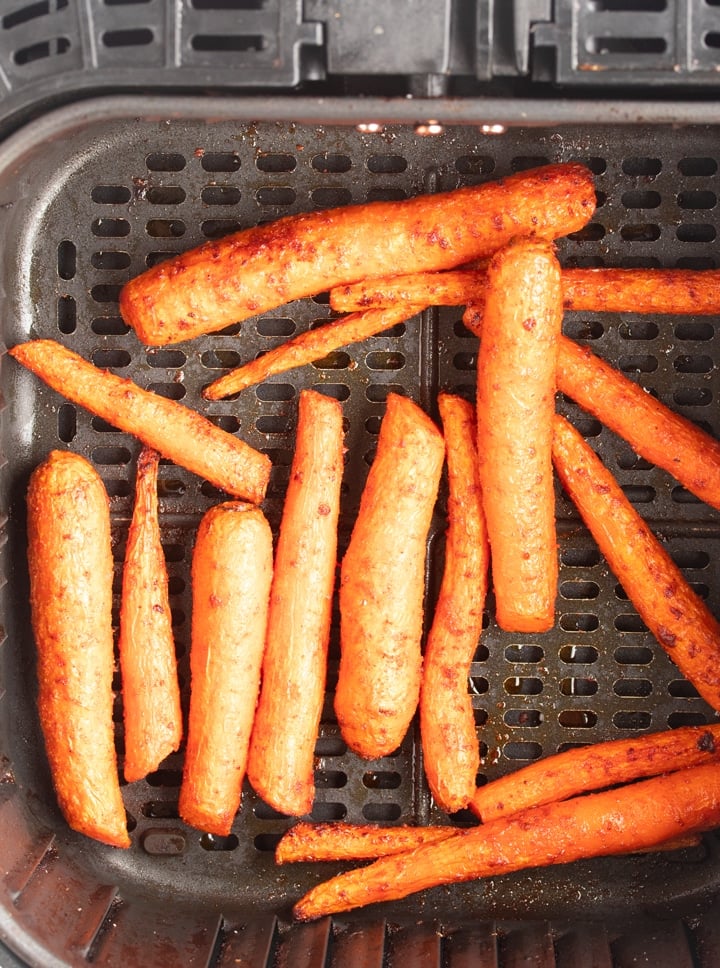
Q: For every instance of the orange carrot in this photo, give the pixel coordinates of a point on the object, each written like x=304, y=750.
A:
x=515, y=407
x=348, y=841
x=451, y=754
x=674, y=613
x=628, y=818
x=454, y=287
x=151, y=695
x=257, y=269
x=231, y=574
x=178, y=433
x=382, y=583
x=564, y=775
x=71, y=576
x=280, y=763
x=308, y=347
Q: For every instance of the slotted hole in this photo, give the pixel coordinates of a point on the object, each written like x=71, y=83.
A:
x=66, y=315
x=166, y=359
x=165, y=161
x=330, y=779
x=215, y=228
x=275, y=195
x=226, y=422
x=220, y=359
x=166, y=195
x=678, y=719
x=592, y=232
x=331, y=197
x=172, y=391
x=67, y=422
x=639, y=329
x=695, y=232
x=66, y=259
x=640, y=199
x=386, y=164
x=110, y=259
x=233, y=43
x=629, y=622
x=165, y=228
x=632, y=719
x=109, y=456
x=697, y=167
x=382, y=780
x=338, y=360
x=110, y=228
x=381, y=812
x=695, y=330
x=522, y=751
x=474, y=164
x=711, y=39
x=575, y=686
x=220, y=195
x=690, y=558
x=523, y=686
x=325, y=812
x=635, y=688
x=581, y=590
x=105, y=293
x=271, y=161
x=520, y=718
x=613, y=44
x=109, y=326
x=338, y=391
x=579, y=622
x=578, y=654
x=328, y=163
x=680, y=495
x=697, y=199
x=105, y=359
x=128, y=37
x=639, y=493
x=160, y=810
x=638, y=364
x=41, y=50
x=275, y=391
x=30, y=12
x=640, y=232
x=580, y=557
x=217, y=161
x=644, y=6
x=577, y=718
x=693, y=364
x=524, y=653
x=633, y=655
x=682, y=689
x=266, y=843
x=525, y=162
x=386, y=194
x=216, y=842
x=583, y=328
x=381, y=360
x=641, y=166
x=273, y=424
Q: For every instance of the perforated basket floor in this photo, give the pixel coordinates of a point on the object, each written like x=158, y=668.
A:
x=81, y=215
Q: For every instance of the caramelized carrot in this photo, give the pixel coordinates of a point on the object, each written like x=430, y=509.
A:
x=349, y=841
x=454, y=287
x=674, y=613
x=382, y=583
x=178, y=433
x=280, y=763
x=451, y=755
x=71, y=575
x=515, y=406
x=151, y=694
x=628, y=818
x=231, y=574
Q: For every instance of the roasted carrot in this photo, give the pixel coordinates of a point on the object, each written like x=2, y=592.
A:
x=280, y=762
x=575, y=771
x=231, y=574
x=672, y=291
x=150, y=690
x=621, y=820
x=449, y=739
x=382, y=583
x=515, y=406
x=71, y=575
x=305, y=842
x=259, y=268
x=308, y=347
x=177, y=432
x=672, y=611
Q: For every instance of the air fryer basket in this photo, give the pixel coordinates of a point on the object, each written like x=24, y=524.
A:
x=93, y=195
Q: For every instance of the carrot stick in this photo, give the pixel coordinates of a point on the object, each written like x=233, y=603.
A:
x=178, y=433
x=231, y=574
x=676, y=616
x=280, y=763
x=308, y=347
x=515, y=407
x=621, y=820
x=257, y=269
x=451, y=754
x=382, y=583
x=347, y=841
x=71, y=575
x=676, y=291
x=575, y=771
x=151, y=695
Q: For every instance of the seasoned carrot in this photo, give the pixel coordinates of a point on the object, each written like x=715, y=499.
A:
x=382, y=583
x=231, y=574
x=280, y=762
x=259, y=268
x=350, y=841
x=515, y=406
x=450, y=746
x=454, y=287
x=309, y=346
x=178, y=433
x=71, y=575
x=151, y=694
x=672, y=611
x=621, y=820
x=575, y=771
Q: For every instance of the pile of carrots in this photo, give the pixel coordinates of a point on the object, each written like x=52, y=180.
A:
x=261, y=614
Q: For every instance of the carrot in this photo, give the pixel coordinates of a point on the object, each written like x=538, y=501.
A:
x=280, y=763
x=348, y=841
x=676, y=616
x=564, y=775
x=308, y=347
x=231, y=574
x=71, y=575
x=257, y=269
x=151, y=694
x=449, y=740
x=515, y=406
x=178, y=433
x=628, y=818
x=676, y=291
x=382, y=583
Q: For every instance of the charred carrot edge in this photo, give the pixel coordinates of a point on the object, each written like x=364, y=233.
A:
x=676, y=291
x=575, y=771
x=622, y=820
x=257, y=269
x=231, y=575
x=451, y=755
x=680, y=621
x=305, y=842
x=178, y=433
x=382, y=583
x=71, y=576
x=280, y=762
x=308, y=347
x=151, y=694
x=515, y=406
